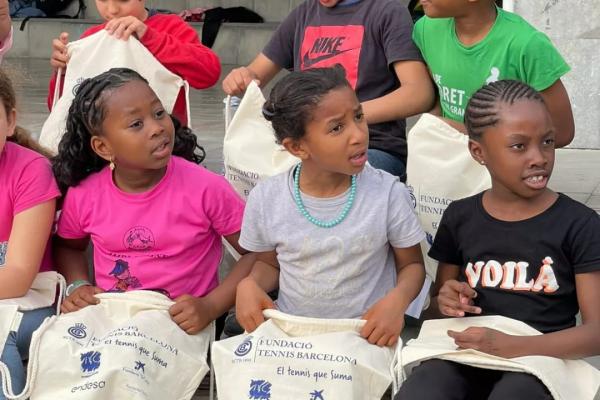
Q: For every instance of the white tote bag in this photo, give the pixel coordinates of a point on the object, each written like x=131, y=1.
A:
x=439, y=170
x=125, y=347
x=297, y=358
x=250, y=151
x=96, y=54
x=565, y=379
x=46, y=290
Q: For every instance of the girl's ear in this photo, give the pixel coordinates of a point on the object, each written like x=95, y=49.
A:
x=12, y=122
x=476, y=151
x=295, y=148
x=102, y=148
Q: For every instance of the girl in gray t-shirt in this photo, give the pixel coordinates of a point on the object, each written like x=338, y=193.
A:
x=338, y=238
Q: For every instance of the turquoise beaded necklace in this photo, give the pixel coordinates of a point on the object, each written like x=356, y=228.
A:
x=310, y=218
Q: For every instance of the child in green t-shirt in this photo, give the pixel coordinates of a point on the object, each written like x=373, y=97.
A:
x=469, y=43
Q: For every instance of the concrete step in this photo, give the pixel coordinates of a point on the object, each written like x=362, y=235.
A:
x=237, y=43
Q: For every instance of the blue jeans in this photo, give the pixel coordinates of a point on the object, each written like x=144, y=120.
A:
x=16, y=348
x=381, y=160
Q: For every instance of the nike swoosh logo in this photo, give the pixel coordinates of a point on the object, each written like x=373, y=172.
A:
x=308, y=62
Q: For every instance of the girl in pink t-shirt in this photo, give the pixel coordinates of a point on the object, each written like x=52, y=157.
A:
x=28, y=195
x=135, y=189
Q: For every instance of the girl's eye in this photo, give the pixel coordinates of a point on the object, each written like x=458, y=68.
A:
x=360, y=116
x=549, y=142
x=160, y=113
x=517, y=146
x=337, y=129
x=136, y=125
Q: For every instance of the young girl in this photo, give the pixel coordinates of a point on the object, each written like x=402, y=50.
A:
x=486, y=44
x=517, y=250
x=154, y=216
x=342, y=241
x=28, y=195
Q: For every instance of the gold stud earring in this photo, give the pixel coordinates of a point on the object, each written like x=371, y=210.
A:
x=481, y=162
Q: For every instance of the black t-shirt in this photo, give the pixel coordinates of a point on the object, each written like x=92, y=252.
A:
x=367, y=38
x=525, y=269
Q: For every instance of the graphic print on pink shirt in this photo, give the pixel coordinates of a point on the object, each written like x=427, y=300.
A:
x=325, y=46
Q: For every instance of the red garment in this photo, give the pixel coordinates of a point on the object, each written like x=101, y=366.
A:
x=176, y=46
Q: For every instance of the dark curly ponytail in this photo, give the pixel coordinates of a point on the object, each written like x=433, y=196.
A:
x=76, y=159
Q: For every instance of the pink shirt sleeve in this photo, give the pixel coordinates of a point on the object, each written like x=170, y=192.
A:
x=6, y=44
x=224, y=207
x=69, y=223
x=36, y=185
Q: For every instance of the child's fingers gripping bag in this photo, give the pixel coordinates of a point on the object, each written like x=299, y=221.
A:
x=439, y=170
x=290, y=357
x=125, y=347
x=250, y=151
x=96, y=54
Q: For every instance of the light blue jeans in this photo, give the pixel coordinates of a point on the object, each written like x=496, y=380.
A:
x=387, y=162
x=16, y=348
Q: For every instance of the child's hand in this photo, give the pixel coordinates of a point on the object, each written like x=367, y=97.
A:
x=456, y=298
x=385, y=320
x=59, y=57
x=123, y=27
x=250, y=301
x=82, y=297
x=237, y=81
x=486, y=340
x=192, y=314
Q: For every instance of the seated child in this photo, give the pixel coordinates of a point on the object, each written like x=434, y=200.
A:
x=154, y=216
x=28, y=195
x=343, y=239
x=469, y=43
x=170, y=39
x=517, y=250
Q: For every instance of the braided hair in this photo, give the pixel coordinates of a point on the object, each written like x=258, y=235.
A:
x=484, y=107
x=294, y=97
x=76, y=159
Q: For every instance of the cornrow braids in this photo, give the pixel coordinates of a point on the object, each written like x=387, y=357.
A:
x=76, y=159
x=483, y=109
x=296, y=95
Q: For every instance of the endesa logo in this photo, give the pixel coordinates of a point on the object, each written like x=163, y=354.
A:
x=89, y=386
x=90, y=362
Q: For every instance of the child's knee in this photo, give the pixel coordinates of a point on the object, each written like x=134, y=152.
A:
x=519, y=386
x=432, y=380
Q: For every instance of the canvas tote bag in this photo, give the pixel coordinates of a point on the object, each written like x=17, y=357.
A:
x=565, y=379
x=125, y=347
x=439, y=170
x=249, y=149
x=298, y=358
x=46, y=290
x=96, y=54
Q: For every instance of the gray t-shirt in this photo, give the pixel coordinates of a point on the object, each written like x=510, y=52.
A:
x=334, y=272
x=366, y=38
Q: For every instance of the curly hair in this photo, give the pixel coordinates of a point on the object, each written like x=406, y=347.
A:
x=76, y=159
x=295, y=96
x=483, y=108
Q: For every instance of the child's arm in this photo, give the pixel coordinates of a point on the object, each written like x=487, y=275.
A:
x=450, y=298
x=261, y=69
x=573, y=343
x=385, y=319
x=26, y=245
x=559, y=106
x=193, y=314
x=178, y=48
x=415, y=95
x=71, y=261
x=5, y=23
x=252, y=297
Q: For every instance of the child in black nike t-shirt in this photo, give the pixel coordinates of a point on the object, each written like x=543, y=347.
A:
x=517, y=250
x=372, y=40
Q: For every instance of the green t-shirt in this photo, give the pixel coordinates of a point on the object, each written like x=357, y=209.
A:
x=512, y=49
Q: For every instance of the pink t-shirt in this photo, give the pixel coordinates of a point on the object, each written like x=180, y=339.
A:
x=26, y=180
x=166, y=239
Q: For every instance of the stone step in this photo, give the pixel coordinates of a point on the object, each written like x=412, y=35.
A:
x=237, y=43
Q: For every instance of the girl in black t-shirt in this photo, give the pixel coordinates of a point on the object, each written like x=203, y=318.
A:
x=518, y=250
